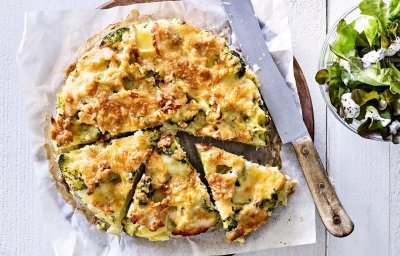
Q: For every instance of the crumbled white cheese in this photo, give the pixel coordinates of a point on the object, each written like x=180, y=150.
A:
x=256, y=68
x=393, y=48
x=373, y=57
x=373, y=113
x=394, y=127
x=350, y=108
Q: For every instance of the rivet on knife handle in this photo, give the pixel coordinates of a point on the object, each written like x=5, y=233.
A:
x=332, y=213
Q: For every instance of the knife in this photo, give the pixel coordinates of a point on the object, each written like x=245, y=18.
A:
x=286, y=116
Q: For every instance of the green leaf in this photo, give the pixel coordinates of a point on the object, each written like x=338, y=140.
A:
x=393, y=29
x=377, y=9
x=332, y=77
x=393, y=100
x=322, y=76
x=362, y=40
x=373, y=129
x=394, y=9
x=347, y=37
x=372, y=32
x=393, y=75
x=361, y=97
x=373, y=75
x=385, y=114
x=385, y=42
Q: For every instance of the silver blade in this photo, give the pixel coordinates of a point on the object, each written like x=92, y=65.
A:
x=274, y=90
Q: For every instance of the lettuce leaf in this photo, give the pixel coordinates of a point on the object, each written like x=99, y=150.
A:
x=372, y=32
x=347, y=36
x=332, y=76
x=361, y=97
x=393, y=76
x=394, y=9
x=377, y=9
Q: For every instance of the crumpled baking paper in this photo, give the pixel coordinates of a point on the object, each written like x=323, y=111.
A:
x=51, y=41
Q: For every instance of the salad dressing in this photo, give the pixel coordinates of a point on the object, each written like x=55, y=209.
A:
x=362, y=71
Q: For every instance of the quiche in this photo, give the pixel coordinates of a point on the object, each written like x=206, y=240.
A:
x=149, y=74
x=169, y=199
x=133, y=87
x=245, y=193
x=102, y=175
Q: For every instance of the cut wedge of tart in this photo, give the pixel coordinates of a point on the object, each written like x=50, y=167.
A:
x=102, y=175
x=169, y=199
x=245, y=193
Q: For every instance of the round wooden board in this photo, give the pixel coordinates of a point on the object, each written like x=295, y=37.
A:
x=301, y=83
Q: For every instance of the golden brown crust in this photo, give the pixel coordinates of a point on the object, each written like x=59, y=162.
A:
x=223, y=187
x=250, y=218
x=61, y=186
x=153, y=217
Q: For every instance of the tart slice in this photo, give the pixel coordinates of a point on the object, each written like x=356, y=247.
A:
x=245, y=193
x=169, y=199
x=102, y=175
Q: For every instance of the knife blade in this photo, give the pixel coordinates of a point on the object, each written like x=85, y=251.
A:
x=274, y=89
x=285, y=115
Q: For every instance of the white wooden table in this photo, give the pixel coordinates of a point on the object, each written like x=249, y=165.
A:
x=366, y=173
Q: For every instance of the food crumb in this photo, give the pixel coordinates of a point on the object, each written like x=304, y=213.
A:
x=256, y=68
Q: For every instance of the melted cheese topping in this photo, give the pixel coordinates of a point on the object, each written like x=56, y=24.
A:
x=171, y=76
x=169, y=198
x=108, y=173
x=243, y=191
x=162, y=72
x=96, y=162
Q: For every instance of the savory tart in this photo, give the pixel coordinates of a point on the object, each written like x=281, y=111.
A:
x=169, y=199
x=102, y=176
x=245, y=193
x=133, y=87
x=159, y=73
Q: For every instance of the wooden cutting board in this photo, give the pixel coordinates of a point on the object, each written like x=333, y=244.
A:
x=301, y=83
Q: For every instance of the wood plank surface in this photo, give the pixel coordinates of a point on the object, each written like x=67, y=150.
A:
x=360, y=170
x=394, y=204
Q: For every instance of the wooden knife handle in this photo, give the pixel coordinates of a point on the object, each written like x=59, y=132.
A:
x=332, y=213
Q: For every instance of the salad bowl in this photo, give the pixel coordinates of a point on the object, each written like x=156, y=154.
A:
x=359, y=70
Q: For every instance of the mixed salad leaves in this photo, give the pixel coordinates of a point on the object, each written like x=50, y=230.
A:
x=363, y=81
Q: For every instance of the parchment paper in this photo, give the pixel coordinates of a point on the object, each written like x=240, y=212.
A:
x=50, y=42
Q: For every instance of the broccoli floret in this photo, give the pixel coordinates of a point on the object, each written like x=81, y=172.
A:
x=145, y=190
x=129, y=83
x=72, y=177
x=242, y=65
x=230, y=223
x=270, y=204
x=61, y=100
x=207, y=205
x=155, y=75
x=113, y=37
